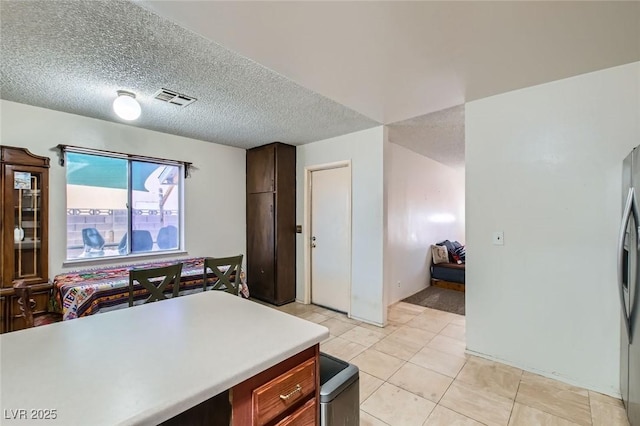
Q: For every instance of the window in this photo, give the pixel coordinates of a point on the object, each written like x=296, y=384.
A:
x=118, y=205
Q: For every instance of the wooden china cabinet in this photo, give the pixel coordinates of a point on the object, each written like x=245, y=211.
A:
x=24, y=219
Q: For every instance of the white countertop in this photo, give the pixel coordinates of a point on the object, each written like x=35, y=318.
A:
x=145, y=364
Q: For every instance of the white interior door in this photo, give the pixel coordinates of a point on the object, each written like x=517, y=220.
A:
x=331, y=238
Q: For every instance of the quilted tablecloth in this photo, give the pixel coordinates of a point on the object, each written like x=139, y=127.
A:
x=82, y=293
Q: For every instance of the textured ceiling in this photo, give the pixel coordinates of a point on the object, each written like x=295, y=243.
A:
x=439, y=135
x=317, y=69
x=73, y=56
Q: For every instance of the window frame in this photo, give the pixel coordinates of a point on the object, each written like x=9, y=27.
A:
x=184, y=169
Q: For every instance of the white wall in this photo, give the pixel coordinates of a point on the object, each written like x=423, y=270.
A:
x=364, y=149
x=421, y=193
x=210, y=229
x=544, y=165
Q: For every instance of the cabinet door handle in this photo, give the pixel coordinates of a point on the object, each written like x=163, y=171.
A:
x=286, y=397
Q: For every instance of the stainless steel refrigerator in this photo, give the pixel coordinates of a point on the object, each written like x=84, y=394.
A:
x=629, y=287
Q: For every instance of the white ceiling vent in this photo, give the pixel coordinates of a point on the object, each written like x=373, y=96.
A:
x=174, y=97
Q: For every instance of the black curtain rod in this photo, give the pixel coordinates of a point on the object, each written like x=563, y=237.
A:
x=64, y=148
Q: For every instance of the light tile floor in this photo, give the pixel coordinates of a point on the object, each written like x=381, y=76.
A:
x=415, y=371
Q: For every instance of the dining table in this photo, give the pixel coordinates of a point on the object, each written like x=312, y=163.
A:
x=90, y=291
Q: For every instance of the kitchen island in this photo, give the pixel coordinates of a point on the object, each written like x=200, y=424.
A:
x=150, y=363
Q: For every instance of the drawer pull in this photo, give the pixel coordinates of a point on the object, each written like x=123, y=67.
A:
x=286, y=397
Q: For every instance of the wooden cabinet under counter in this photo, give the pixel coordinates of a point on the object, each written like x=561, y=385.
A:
x=241, y=348
x=305, y=416
x=280, y=393
x=284, y=392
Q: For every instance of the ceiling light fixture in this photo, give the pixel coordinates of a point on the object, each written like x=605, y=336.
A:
x=126, y=106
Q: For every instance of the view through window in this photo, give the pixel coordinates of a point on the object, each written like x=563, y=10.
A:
x=118, y=206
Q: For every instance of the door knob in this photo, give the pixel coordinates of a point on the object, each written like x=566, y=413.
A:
x=313, y=245
x=313, y=238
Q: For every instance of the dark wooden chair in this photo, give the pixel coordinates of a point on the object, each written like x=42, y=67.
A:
x=223, y=278
x=27, y=304
x=156, y=281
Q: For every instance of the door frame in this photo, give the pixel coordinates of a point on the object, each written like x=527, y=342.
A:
x=306, y=227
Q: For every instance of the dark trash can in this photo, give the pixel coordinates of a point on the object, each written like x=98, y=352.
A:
x=339, y=392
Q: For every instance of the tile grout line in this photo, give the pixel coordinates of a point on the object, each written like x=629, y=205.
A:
x=560, y=416
x=590, y=407
x=515, y=397
x=452, y=381
x=405, y=362
x=380, y=420
x=449, y=387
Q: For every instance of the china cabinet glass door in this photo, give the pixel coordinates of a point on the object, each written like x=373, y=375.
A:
x=25, y=187
x=27, y=234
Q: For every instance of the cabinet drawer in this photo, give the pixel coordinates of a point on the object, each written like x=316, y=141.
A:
x=278, y=395
x=304, y=416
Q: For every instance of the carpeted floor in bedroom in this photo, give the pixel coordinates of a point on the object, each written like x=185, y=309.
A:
x=442, y=299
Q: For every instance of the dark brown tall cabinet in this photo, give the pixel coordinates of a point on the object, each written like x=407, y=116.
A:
x=271, y=216
x=24, y=218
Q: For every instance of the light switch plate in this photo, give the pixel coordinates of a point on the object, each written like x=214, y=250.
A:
x=498, y=238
